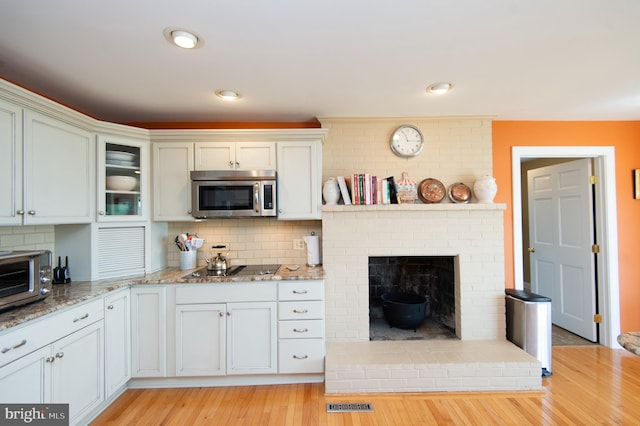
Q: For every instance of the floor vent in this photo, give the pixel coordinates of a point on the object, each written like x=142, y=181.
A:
x=357, y=407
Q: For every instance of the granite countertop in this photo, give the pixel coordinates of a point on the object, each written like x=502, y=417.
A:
x=65, y=295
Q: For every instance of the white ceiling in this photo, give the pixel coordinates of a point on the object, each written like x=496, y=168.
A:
x=293, y=60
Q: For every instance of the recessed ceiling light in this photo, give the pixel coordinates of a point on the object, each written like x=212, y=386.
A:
x=439, y=88
x=228, y=95
x=183, y=38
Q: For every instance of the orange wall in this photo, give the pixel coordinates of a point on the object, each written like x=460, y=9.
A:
x=625, y=137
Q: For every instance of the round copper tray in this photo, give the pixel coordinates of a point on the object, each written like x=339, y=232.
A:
x=431, y=190
x=459, y=193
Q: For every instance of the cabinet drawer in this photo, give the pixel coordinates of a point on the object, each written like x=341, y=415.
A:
x=301, y=329
x=224, y=293
x=301, y=310
x=300, y=290
x=48, y=329
x=301, y=356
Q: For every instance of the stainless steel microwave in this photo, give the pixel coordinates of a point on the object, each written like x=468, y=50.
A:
x=239, y=193
x=25, y=277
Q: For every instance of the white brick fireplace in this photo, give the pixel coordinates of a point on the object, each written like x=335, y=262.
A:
x=482, y=360
x=471, y=233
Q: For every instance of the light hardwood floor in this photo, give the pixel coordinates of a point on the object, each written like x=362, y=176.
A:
x=590, y=385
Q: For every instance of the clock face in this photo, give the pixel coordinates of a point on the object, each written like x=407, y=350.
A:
x=406, y=141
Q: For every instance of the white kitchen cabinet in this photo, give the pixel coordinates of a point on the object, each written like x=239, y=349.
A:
x=148, y=331
x=59, y=172
x=123, y=179
x=47, y=169
x=299, y=180
x=251, y=338
x=218, y=338
x=10, y=163
x=235, y=156
x=117, y=340
x=27, y=379
x=78, y=372
x=172, y=164
x=201, y=332
x=301, y=327
x=67, y=366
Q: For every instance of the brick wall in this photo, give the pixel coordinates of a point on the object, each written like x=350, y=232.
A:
x=457, y=149
x=473, y=234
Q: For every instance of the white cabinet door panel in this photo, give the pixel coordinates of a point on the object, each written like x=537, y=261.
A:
x=200, y=340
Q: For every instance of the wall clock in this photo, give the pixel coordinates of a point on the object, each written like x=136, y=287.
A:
x=406, y=141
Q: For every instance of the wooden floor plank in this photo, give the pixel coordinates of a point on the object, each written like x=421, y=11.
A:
x=589, y=385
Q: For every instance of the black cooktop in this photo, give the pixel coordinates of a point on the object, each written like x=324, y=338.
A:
x=236, y=271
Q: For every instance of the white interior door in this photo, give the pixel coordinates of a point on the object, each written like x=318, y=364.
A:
x=561, y=235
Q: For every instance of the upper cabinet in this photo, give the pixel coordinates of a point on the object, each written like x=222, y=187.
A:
x=122, y=179
x=59, y=172
x=296, y=155
x=235, y=156
x=299, y=175
x=10, y=164
x=172, y=163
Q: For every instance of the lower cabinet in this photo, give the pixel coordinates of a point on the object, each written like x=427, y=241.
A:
x=148, y=331
x=117, y=337
x=301, y=327
x=225, y=338
x=67, y=371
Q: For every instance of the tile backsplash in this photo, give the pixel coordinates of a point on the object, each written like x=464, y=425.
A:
x=40, y=237
x=248, y=241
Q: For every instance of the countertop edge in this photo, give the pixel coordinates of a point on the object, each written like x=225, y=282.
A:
x=66, y=295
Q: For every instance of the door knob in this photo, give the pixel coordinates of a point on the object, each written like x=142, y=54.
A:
x=531, y=249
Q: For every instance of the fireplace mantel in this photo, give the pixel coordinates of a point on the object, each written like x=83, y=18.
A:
x=337, y=208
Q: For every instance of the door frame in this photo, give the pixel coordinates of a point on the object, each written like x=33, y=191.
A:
x=606, y=226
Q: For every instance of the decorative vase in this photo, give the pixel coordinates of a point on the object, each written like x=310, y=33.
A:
x=331, y=192
x=485, y=189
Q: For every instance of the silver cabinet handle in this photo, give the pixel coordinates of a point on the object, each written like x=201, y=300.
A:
x=300, y=311
x=229, y=313
x=7, y=349
x=101, y=213
x=32, y=212
x=237, y=164
x=49, y=359
x=300, y=357
x=221, y=313
x=231, y=164
x=59, y=354
x=20, y=212
x=110, y=307
x=300, y=292
x=85, y=316
x=303, y=330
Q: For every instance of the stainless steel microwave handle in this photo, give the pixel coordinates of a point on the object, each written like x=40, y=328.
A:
x=256, y=197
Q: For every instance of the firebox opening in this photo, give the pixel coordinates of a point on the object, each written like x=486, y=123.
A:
x=431, y=277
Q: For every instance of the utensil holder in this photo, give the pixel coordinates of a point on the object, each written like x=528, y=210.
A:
x=188, y=259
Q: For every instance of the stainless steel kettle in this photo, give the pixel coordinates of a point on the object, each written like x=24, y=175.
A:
x=219, y=263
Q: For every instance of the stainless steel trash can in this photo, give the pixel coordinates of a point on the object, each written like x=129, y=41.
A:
x=529, y=325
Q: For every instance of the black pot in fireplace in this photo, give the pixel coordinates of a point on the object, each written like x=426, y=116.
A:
x=404, y=310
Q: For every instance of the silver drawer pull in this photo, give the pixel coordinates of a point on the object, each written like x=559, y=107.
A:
x=110, y=307
x=85, y=316
x=300, y=311
x=50, y=359
x=300, y=357
x=300, y=292
x=59, y=354
x=5, y=350
x=304, y=330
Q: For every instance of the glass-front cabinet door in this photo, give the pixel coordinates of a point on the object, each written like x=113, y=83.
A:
x=122, y=180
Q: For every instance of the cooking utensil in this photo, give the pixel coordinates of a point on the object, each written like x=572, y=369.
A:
x=218, y=263
x=431, y=190
x=183, y=241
